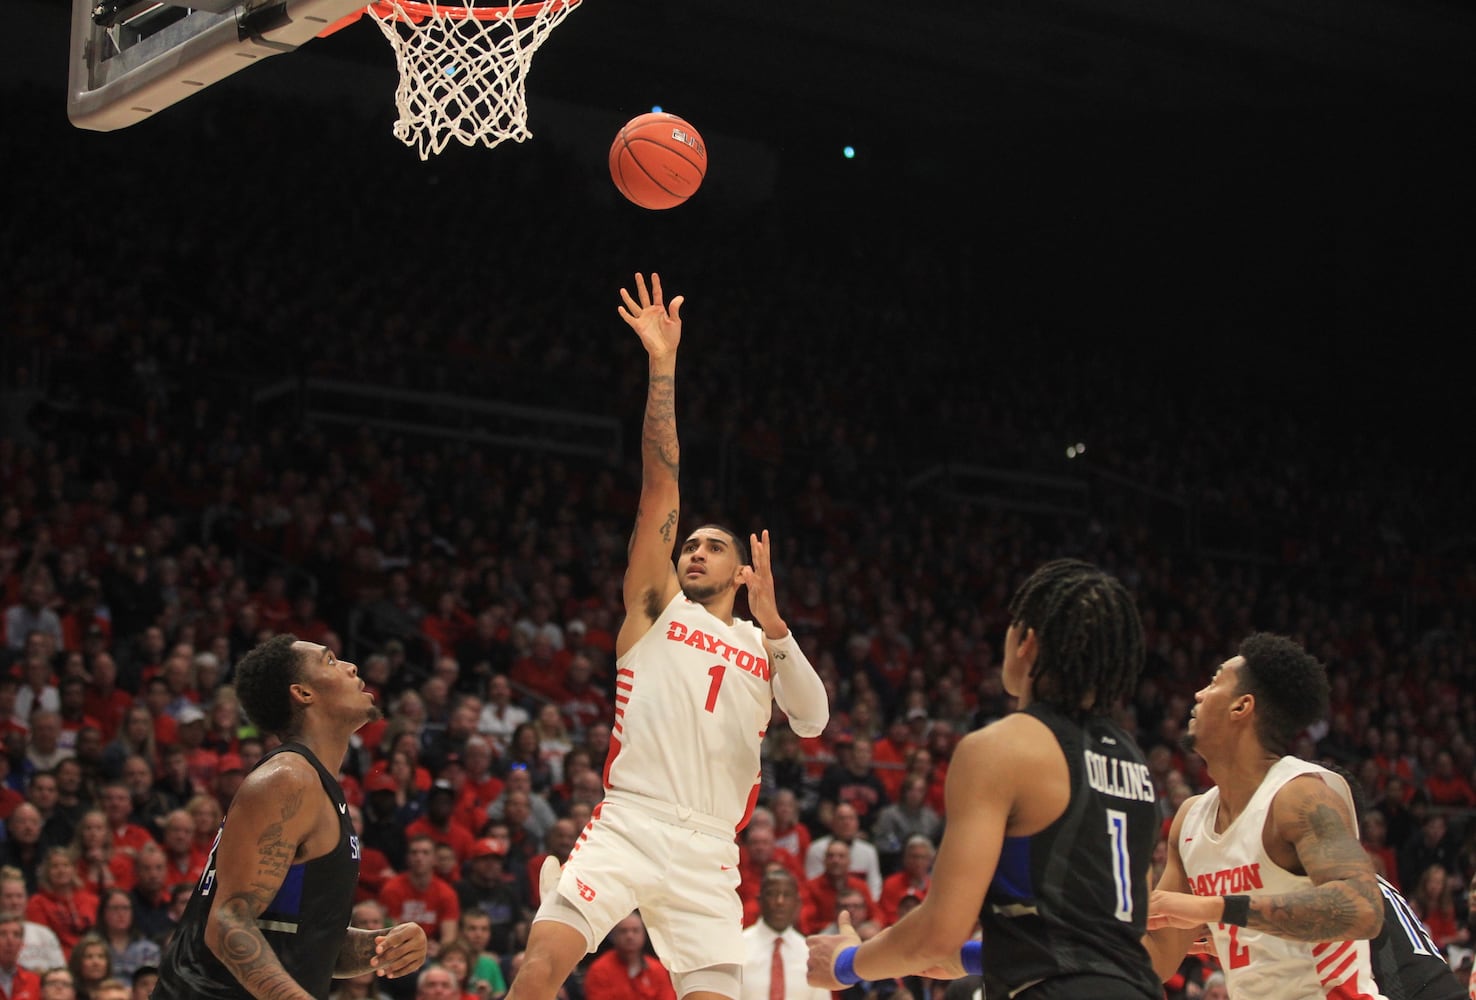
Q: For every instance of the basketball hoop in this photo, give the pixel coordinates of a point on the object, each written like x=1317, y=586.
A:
x=463, y=68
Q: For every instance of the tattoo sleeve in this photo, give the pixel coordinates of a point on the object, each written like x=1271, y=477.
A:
x=358, y=949
x=238, y=942
x=1344, y=905
x=660, y=452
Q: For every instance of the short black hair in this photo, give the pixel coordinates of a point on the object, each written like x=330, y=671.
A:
x=1089, y=635
x=738, y=543
x=1289, y=684
x=264, y=679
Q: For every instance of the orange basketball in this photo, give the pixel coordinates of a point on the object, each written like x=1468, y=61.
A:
x=658, y=160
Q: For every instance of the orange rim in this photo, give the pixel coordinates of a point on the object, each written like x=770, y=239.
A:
x=416, y=11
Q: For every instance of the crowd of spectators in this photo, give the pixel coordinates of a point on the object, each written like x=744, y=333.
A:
x=154, y=525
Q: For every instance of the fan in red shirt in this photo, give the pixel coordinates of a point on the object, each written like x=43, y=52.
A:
x=755, y=854
x=626, y=972
x=470, y=772
x=117, y=806
x=100, y=866
x=542, y=670
x=1446, y=786
x=913, y=880
x=448, y=624
x=889, y=755
x=584, y=703
x=789, y=833
x=104, y=700
x=418, y=896
x=438, y=823
x=186, y=863
x=821, y=894
x=59, y=903
x=24, y=984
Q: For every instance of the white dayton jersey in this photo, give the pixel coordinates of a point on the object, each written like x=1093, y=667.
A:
x=693, y=698
x=1259, y=965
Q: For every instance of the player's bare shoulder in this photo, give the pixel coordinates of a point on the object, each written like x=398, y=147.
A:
x=284, y=791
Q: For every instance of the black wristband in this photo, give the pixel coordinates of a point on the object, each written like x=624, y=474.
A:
x=1237, y=910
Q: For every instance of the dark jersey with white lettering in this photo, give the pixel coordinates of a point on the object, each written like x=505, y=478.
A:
x=305, y=924
x=1072, y=900
x=1407, y=963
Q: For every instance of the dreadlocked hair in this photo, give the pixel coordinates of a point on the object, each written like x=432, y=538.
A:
x=1088, y=633
x=1289, y=684
x=264, y=678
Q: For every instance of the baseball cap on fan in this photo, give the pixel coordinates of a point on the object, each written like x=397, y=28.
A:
x=380, y=781
x=488, y=847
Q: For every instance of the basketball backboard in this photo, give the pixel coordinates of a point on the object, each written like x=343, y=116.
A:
x=131, y=58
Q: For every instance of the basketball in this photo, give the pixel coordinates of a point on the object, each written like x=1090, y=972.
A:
x=658, y=160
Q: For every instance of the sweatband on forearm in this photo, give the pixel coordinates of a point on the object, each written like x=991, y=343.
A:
x=797, y=687
x=1237, y=911
x=845, y=967
x=972, y=957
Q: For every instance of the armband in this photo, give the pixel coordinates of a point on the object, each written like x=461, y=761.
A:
x=783, y=649
x=845, y=967
x=972, y=957
x=1237, y=911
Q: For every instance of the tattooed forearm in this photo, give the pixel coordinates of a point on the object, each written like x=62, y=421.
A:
x=659, y=447
x=1345, y=903
x=668, y=526
x=354, y=956
x=242, y=950
x=1325, y=913
x=235, y=938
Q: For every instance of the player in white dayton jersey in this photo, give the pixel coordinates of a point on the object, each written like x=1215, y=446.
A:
x=694, y=693
x=1269, y=858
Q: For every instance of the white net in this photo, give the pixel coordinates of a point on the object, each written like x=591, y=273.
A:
x=463, y=68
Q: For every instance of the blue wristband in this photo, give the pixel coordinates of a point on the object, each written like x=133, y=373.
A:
x=972, y=956
x=845, y=967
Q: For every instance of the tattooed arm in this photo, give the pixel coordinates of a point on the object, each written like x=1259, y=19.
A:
x=272, y=816
x=1344, y=902
x=650, y=577
x=1310, y=828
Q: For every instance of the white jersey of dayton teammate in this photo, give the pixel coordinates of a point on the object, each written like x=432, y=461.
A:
x=693, y=698
x=1259, y=965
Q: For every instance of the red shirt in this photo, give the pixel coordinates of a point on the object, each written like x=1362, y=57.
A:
x=894, y=888
x=109, y=710
x=9, y=799
x=429, y=907
x=1452, y=791
x=130, y=838
x=69, y=916
x=476, y=796
x=893, y=761
x=457, y=836
x=818, y=901
x=374, y=871
x=120, y=867
x=175, y=873
x=608, y=978
x=24, y=985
